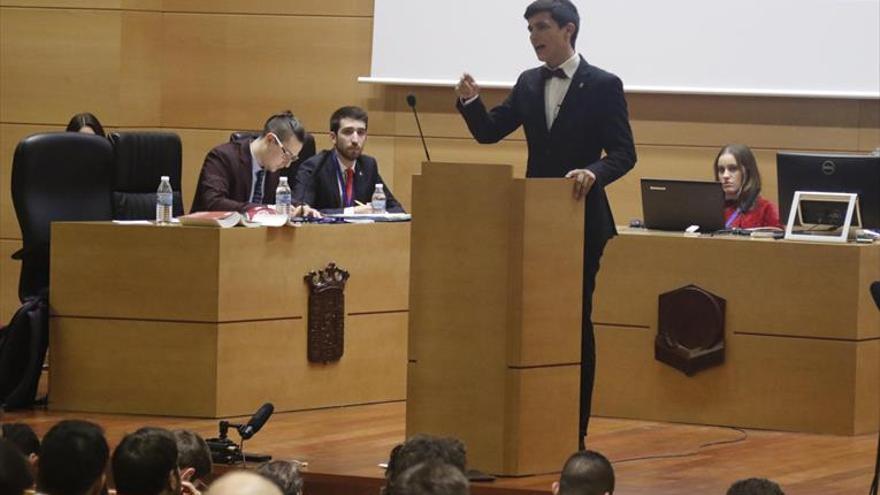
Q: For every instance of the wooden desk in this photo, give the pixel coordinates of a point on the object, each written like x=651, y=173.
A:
x=189, y=321
x=802, y=333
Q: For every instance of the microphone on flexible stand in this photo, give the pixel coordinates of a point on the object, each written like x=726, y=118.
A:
x=411, y=101
x=225, y=451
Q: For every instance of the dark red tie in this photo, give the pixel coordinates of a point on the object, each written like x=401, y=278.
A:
x=349, y=187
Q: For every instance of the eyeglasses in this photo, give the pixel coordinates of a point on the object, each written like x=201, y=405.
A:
x=288, y=155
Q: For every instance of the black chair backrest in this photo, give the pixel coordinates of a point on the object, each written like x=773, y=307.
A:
x=61, y=176
x=875, y=292
x=308, y=150
x=140, y=160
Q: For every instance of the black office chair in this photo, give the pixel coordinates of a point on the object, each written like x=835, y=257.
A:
x=56, y=177
x=308, y=150
x=140, y=159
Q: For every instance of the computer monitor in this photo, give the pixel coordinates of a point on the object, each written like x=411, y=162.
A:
x=828, y=172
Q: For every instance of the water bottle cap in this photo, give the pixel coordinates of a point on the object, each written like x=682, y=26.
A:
x=379, y=186
x=283, y=179
x=164, y=177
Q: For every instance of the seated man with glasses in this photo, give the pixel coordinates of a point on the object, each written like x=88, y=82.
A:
x=342, y=179
x=242, y=174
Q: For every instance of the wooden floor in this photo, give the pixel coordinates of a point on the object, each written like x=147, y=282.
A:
x=344, y=445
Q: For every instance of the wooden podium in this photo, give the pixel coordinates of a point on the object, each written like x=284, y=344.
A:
x=495, y=315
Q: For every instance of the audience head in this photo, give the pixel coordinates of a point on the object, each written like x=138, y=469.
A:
x=145, y=463
x=24, y=438
x=243, y=483
x=86, y=123
x=193, y=455
x=585, y=473
x=755, y=486
x=432, y=478
x=73, y=457
x=15, y=475
x=284, y=474
x=280, y=142
x=737, y=170
x=348, y=131
x=553, y=44
x=422, y=448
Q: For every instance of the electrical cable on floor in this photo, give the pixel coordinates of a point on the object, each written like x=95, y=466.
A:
x=743, y=436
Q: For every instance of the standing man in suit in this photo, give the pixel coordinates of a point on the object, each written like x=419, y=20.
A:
x=342, y=179
x=571, y=112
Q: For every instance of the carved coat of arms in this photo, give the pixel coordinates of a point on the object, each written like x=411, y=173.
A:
x=326, y=319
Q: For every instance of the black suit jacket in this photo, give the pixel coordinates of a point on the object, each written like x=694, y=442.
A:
x=593, y=118
x=225, y=180
x=317, y=183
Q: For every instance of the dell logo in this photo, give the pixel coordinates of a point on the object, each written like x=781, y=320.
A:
x=828, y=167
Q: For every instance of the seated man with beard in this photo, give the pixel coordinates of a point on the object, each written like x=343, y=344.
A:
x=342, y=180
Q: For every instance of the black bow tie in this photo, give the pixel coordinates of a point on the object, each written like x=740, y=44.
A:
x=547, y=73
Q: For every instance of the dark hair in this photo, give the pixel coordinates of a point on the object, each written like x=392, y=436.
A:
x=284, y=474
x=23, y=437
x=562, y=11
x=432, y=478
x=588, y=473
x=193, y=452
x=755, y=486
x=15, y=476
x=751, y=186
x=284, y=125
x=73, y=457
x=81, y=120
x=349, y=112
x=143, y=460
x=420, y=448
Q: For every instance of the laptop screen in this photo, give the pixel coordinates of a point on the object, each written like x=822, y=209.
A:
x=669, y=204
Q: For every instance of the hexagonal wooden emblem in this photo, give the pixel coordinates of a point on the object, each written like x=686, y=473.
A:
x=690, y=329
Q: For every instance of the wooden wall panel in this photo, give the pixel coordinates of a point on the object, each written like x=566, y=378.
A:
x=60, y=62
x=869, y=126
x=87, y=4
x=358, y=8
x=233, y=70
x=409, y=156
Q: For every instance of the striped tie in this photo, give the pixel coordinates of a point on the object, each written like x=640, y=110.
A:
x=258, y=187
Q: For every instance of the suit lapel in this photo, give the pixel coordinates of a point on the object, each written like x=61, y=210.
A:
x=580, y=83
x=330, y=177
x=535, y=86
x=360, y=179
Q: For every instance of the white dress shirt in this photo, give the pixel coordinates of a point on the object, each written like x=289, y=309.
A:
x=555, y=89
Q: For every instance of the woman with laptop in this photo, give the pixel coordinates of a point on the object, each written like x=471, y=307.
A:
x=744, y=208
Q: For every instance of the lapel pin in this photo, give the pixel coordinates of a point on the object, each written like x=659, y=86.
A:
x=581, y=85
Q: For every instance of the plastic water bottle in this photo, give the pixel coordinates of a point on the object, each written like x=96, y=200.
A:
x=378, y=201
x=283, y=197
x=164, y=200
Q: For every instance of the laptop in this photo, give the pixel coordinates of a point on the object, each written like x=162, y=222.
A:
x=669, y=204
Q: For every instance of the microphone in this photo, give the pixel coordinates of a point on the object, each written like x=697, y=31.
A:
x=257, y=421
x=411, y=101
